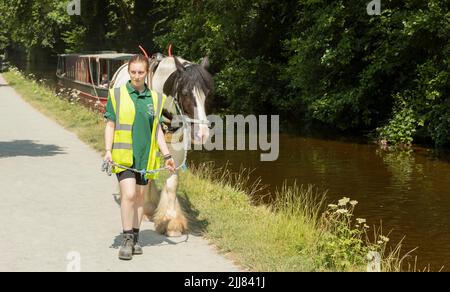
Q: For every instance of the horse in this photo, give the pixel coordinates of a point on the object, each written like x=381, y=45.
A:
x=187, y=86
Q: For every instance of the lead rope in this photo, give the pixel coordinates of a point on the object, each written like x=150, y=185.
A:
x=108, y=167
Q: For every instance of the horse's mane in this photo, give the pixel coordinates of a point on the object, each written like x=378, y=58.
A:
x=197, y=75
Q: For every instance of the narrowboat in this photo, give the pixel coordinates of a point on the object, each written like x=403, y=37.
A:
x=90, y=75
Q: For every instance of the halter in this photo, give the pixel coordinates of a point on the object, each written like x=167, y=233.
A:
x=184, y=117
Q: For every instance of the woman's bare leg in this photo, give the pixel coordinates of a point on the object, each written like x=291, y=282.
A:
x=128, y=197
x=128, y=192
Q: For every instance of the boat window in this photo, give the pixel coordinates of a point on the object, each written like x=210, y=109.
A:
x=104, y=75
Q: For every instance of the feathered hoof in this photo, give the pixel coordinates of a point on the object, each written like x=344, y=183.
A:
x=174, y=227
x=174, y=234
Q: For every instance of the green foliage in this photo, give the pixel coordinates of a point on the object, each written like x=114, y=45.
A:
x=432, y=96
x=315, y=62
x=242, y=39
x=346, y=66
x=74, y=39
x=4, y=24
x=33, y=23
x=248, y=80
x=401, y=128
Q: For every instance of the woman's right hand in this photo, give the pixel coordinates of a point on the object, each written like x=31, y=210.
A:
x=108, y=156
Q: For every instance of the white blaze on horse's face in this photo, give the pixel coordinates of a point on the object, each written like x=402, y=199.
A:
x=201, y=131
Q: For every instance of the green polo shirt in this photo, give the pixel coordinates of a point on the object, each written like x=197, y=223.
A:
x=142, y=126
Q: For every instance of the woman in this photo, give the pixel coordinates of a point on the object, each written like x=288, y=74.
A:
x=133, y=137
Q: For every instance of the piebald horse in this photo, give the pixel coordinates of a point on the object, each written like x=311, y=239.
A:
x=187, y=86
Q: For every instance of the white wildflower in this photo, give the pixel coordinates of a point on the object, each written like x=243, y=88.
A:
x=343, y=202
x=384, y=238
x=360, y=220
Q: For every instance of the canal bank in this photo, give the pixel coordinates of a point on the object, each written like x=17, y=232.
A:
x=291, y=239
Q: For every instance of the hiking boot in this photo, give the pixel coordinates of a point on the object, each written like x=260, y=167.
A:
x=137, y=249
x=126, y=250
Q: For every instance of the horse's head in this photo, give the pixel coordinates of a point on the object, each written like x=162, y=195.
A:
x=192, y=85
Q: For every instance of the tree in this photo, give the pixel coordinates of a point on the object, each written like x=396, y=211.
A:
x=357, y=72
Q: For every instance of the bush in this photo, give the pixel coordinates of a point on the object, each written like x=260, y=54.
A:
x=400, y=130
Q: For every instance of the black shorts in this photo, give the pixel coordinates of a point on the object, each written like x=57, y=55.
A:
x=140, y=178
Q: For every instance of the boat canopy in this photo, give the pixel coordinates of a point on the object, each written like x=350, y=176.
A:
x=108, y=55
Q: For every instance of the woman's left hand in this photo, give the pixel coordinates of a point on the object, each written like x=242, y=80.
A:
x=170, y=165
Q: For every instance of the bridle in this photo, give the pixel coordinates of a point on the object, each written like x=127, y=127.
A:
x=175, y=97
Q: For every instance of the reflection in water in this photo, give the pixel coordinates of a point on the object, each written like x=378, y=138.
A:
x=407, y=192
x=401, y=165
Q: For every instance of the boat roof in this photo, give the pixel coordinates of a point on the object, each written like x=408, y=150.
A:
x=101, y=55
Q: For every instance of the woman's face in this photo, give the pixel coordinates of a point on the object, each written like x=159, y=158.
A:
x=138, y=73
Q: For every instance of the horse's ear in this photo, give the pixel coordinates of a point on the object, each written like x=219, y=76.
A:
x=205, y=63
x=178, y=64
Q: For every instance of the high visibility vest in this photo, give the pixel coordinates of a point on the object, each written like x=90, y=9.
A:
x=122, y=152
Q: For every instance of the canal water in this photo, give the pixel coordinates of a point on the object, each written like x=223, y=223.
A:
x=407, y=194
